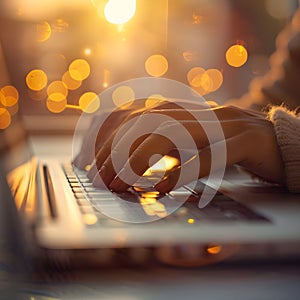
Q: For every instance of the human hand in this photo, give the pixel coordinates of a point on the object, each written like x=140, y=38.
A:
x=249, y=138
x=100, y=134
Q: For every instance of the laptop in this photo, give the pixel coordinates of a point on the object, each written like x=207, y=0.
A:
x=63, y=219
x=57, y=216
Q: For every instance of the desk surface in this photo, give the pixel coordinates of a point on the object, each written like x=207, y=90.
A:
x=238, y=281
x=280, y=281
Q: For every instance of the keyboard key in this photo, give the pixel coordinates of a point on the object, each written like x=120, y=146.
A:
x=180, y=192
x=83, y=202
x=85, y=181
x=101, y=196
x=91, y=189
x=77, y=189
x=100, y=193
x=87, y=209
x=99, y=204
x=86, y=184
x=80, y=195
x=75, y=185
x=106, y=203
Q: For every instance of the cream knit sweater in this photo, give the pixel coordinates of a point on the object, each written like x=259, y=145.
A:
x=287, y=129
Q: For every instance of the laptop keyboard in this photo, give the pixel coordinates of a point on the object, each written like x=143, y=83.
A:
x=96, y=204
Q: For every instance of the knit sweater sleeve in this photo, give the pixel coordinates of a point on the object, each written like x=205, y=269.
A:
x=287, y=129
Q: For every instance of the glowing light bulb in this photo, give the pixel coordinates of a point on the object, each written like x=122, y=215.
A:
x=119, y=11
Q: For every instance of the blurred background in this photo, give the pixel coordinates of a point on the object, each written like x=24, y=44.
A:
x=59, y=55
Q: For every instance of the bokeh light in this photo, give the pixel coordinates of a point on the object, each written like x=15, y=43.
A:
x=5, y=118
x=153, y=100
x=106, y=78
x=57, y=91
x=205, y=81
x=194, y=76
x=279, y=9
x=56, y=106
x=60, y=25
x=119, y=11
x=70, y=83
x=197, y=18
x=89, y=219
x=151, y=206
x=236, y=55
x=190, y=55
x=156, y=65
x=13, y=109
x=96, y=3
x=87, y=51
x=216, y=78
x=43, y=31
x=214, y=249
x=79, y=69
x=11, y=95
x=89, y=102
x=123, y=96
x=2, y=98
x=36, y=80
